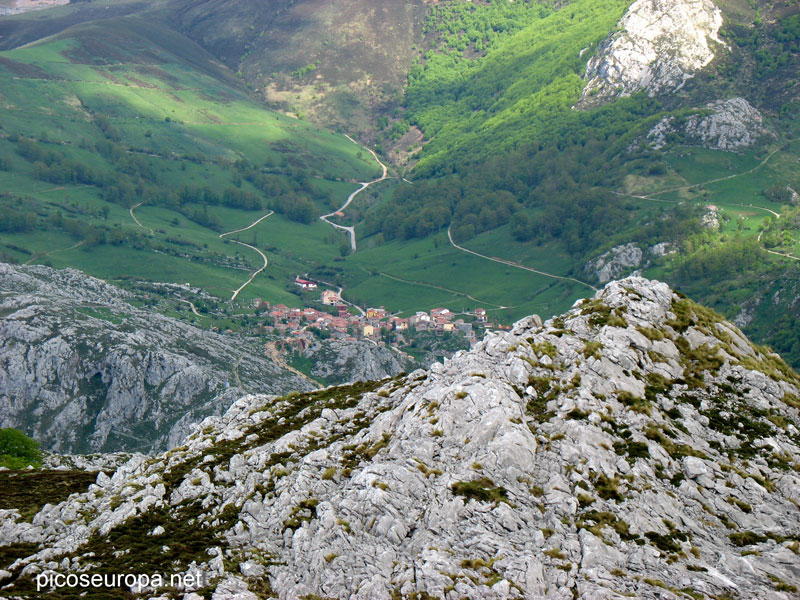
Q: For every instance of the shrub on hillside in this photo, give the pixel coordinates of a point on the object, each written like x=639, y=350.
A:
x=17, y=450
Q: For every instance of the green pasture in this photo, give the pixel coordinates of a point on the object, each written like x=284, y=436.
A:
x=425, y=264
x=370, y=199
x=549, y=257
x=731, y=178
x=187, y=126
x=734, y=183
x=175, y=110
x=697, y=165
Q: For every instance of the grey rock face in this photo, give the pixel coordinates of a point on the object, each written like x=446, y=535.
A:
x=710, y=219
x=345, y=361
x=658, y=46
x=83, y=370
x=638, y=445
x=611, y=264
x=662, y=249
x=729, y=125
x=86, y=462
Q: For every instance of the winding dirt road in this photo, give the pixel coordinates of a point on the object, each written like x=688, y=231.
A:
x=272, y=351
x=135, y=206
x=781, y=254
x=253, y=224
x=53, y=252
x=351, y=231
x=718, y=179
x=777, y=215
x=192, y=306
x=513, y=264
x=260, y=253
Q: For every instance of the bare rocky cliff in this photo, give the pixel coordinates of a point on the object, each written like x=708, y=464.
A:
x=731, y=125
x=341, y=361
x=82, y=369
x=637, y=446
x=658, y=46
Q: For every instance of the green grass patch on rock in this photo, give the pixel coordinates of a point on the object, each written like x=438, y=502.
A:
x=483, y=490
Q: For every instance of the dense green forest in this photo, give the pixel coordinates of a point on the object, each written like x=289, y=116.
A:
x=518, y=88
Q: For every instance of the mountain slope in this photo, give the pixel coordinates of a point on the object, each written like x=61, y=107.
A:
x=340, y=62
x=638, y=445
x=127, y=148
x=89, y=367
x=152, y=105
x=82, y=369
x=107, y=109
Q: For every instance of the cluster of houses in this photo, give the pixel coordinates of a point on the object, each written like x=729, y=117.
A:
x=350, y=322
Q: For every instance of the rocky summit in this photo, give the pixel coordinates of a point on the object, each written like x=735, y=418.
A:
x=658, y=46
x=637, y=446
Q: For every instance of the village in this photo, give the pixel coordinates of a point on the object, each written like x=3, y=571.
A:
x=339, y=319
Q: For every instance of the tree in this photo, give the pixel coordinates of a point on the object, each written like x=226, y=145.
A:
x=301, y=211
x=17, y=450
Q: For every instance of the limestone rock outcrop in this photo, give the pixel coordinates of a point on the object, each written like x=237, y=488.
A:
x=82, y=369
x=638, y=445
x=340, y=361
x=658, y=46
x=723, y=125
x=618, y=260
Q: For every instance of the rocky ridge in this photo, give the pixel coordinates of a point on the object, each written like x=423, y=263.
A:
x=82, y=369
x=658, y=46
x=637, y=445
x=614, y=262
x=723, y=125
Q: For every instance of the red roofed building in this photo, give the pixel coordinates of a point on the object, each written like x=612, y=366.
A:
x=305, y=284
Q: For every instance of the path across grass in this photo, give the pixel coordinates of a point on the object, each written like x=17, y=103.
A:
x=351, y=230
x=263, y=256
x=134, y=207
x=777, y=215
x=514, y=264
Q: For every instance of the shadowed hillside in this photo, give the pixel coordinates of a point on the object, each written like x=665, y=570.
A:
x=336, y=61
